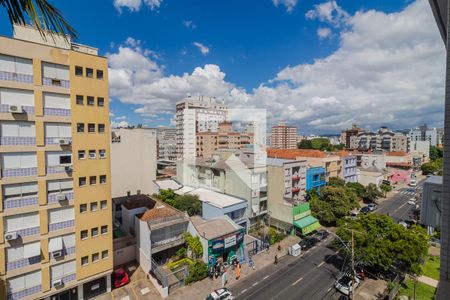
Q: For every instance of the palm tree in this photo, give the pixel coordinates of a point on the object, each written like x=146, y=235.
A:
x=40, y=13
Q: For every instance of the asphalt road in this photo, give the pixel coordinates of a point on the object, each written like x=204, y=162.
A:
x=310, y=276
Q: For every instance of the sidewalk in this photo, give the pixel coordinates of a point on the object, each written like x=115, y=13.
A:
x=427, y=280
x=200, y=289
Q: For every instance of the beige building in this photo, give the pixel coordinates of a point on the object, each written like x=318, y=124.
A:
x=224, y=139
x=55, y=208
x=284, y=137
x=133, y=161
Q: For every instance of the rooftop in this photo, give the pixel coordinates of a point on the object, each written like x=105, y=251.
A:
x=168, y=184
x=185, y=189
x=160, y=210
x=279, y=161
x=135, y=201
x=214, y=228
x=294, y=153
x=396, y=153
x=217, y=199
x=434, y=179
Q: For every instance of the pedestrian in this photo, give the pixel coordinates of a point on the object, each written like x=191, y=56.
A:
x=224, y=279
x=276, y=259
x=279, y=247
x=238, y=271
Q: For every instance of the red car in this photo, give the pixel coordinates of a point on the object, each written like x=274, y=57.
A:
x=120, y=277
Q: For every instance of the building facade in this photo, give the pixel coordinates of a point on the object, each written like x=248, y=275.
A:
x=381, y=140
x=55, y=213
x=348, y=133
x=284, y=137
x=315, y=178
x=195, y=116
x=349, y=164
x=424, y=133
x=166, y=140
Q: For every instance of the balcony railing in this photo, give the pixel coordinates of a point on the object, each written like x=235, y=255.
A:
x=56, y=82
x=25, y=293
x=28, y=231
x=61, y=225
x=56, y=169
x=22, y=78
x=17, y=172
x=20, y=202
x=4, y=108
x=52, y=197
x=66, y=278
x=55, y=140
x=60, y=112
x=17, y=264
x=17, y=140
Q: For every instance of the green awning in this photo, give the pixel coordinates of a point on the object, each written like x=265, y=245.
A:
x=307, y=224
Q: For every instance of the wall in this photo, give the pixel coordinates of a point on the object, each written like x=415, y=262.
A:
x=275, y=192
x=128, y=218
x=370, y=177
x=432, y=200
x=133, y=162
x=124, y=255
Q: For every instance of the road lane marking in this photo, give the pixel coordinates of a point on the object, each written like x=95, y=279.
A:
x=266, y=277
x=243, y=291
x=145, y=291
x=329, y=289
x=321, y=264
x=255, y=284
x=297, y=281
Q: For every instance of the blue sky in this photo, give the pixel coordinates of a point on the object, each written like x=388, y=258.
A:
x=257, y=52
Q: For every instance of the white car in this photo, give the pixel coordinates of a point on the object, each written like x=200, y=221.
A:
x=222, y=294
x=412, y=201
x=344, y=284
x=413, y=183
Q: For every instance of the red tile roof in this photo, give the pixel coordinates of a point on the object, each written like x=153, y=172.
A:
x=396, y=153
x=294, y=153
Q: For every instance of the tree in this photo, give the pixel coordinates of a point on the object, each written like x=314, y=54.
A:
x=305, y=144
x=381, y=243
x=336, y=181
x=385, y=188
x=197, y=271
x=194, y=245
x=432, y=166
x=40, y=13
x=357, y=187
x=372, y=193
x=188, y=203
x=435, y=153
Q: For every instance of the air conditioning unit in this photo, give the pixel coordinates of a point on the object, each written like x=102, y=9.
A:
x=65, y=142
x=15, y=109
x=9, y=236
x=57, y=254
x=60, y=197
x=57, y=283
x=68, y=168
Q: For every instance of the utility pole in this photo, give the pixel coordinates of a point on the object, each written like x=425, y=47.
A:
x=353, y=267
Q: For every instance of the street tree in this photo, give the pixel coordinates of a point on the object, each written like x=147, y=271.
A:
x=385, y=188
x=357, y=187
x=435, y=153
x=194, y=244
x=336, y=181
x=382, y=244
x=372, y=193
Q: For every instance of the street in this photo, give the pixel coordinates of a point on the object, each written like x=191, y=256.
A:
x=311, y=276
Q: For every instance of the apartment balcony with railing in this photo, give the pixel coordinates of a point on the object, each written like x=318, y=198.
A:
x=26, y=292
x=61, y=218
x=55, y=75
x=22, y=256
x=57, y=105
x=21, y=225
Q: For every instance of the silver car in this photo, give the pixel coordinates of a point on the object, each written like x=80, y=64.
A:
x=344, y=284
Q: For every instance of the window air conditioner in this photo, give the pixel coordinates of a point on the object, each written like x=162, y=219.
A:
x=65, y=142
x=9, y=236
x=60, y=197
x=57, y=283
x=57, y=254
x=17, y=109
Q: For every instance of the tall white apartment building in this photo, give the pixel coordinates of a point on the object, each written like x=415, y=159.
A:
x=196, y=115
x=424, y=133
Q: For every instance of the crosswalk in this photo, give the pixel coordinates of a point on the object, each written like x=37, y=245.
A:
x=409, y=191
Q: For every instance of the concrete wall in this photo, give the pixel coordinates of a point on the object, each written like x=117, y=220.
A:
x=133, y=162
x=370, y=177
x=431, y=204
x=278, y=208
x=128, y=218
x=124, y=255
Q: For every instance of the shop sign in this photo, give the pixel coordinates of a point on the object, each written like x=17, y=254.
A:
x=230, y=241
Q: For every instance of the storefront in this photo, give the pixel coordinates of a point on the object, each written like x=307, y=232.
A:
x=304, y=222
x=226, y=248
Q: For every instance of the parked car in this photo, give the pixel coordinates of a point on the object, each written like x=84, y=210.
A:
x=354, y=214
x=413, y=183
x=435, y=242
x=308, y=243
x=344, y=284
x=412, y=201
x=222, y=294
x=403, y=223
x=321, y=234
x=372, y=206
x=120, y=277
x=365, y=210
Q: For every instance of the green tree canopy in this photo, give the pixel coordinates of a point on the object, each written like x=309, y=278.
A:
x=194, y=245
x=305, y=144
x=188, y=203
x=385, y=188
x=372, y=193
x=432, y=166
x=381, y=243
x=435, y=153
x=357, y=187
x=336, y=181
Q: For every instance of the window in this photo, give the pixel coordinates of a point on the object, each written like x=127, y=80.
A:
x=83, y=234
x=92, y=180
x=17, y=65
x=81, y=154
x=90, y=100
x=99, y=74
x=80, y=99
x=89, y=72
x=103, y=204
x=65, y=159
x=80, y=127
x=102, y=179
x=91, y=127
x=94, y=206
x=94, y=231
x=91, y=154
x=55, y=71
x=19, y=160
x=95, y=257
x=78, y=71
x=21, y=190
x=105, y=254
x=102, y=153
x=83, y=208
x=22, y=221
x=82, y=181
x=24, y=282
x=84, y=260
x=104, y=229
x=101, y=101
x=59, y=215
x=101, y=128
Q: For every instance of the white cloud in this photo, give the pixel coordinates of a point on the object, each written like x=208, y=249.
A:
x=135, y=5
x=202, y=48
x=387, y=70
x=121, y=118
x=121, y=124
x=189, y=24
x=329, y=12
x=289, y=4
x=323, y=32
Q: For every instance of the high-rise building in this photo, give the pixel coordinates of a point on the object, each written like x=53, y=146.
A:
x=194, y=116
x=384, y=139
x=284, y=137
x=424, y=133
x=347, y=134
x=55, y=208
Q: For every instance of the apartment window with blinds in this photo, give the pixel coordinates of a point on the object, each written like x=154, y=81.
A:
x=23, y=255
x=63, y=242
x=57, y=105
x=16, y=69
x=80, y=127
x=20, y=195
x=90, y=101
x=101, y=128
x=100, y=101
x=58, y=187
x=17, y=133
x=91, y=128
x=55, y=75
x=55, y=132
x=19, y=164
x=24, y=224
x=22, y=98
x=30, y=283
x=63, y=270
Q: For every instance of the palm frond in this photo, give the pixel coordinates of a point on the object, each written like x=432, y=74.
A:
x=40, y=13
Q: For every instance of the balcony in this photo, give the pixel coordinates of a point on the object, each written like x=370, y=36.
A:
x=59, y=169
x=28, y=231
x=65, y=252
x=17, y=140
x=25, y=292
x=17, y=264
x=56, y=82
x=61, y=225
x=56, y=141
x=66, y=278
x=18, y=172
x=4, y=108
x=52, y=198
x=60, y=112
x=20, y=202
x=167, y=243
x=17, y=77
